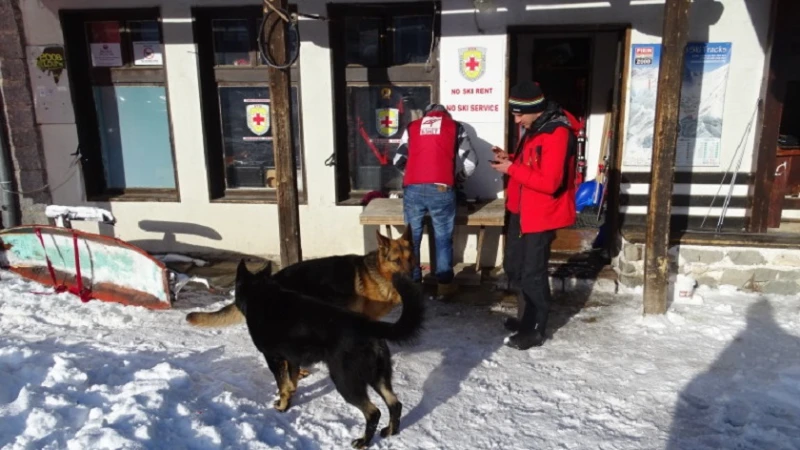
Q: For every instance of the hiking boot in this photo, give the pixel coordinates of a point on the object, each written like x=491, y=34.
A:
x=525, y=340
x=446, y=290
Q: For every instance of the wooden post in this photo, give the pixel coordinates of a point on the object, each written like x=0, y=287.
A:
x=768, y=123
x=668, y=95
x=282, y=138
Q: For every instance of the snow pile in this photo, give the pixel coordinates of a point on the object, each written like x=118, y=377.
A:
x=721, y=373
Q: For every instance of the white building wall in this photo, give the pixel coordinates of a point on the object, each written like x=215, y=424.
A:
x=327, y=228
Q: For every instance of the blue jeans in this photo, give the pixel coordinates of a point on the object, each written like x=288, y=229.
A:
x=419, y=199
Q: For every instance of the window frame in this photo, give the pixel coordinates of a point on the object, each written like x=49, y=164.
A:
x=344, y=75
x=211, y=78
x=83, y=78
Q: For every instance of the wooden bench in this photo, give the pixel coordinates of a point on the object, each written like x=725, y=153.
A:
x=389, y=211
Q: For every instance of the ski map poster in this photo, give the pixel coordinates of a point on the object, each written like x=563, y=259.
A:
x=642, y=104
x=705, y=76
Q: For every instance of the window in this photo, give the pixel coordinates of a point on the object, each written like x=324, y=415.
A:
x=384, y=76
x=116, y=66
x=236, y=106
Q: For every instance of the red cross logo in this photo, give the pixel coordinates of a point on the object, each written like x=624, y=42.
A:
x=258, y=119
x=386, y=120
x=472, y=61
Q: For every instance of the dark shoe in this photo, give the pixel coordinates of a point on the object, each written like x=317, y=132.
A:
x=526, y=340
x=511, y=324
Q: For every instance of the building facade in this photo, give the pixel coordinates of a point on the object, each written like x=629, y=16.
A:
x=159, y=112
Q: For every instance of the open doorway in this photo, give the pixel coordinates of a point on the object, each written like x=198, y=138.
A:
x=581, y=69
x=784, y=204
x=776, y=198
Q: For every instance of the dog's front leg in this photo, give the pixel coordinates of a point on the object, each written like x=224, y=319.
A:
x=293, y=372
x=280, y=369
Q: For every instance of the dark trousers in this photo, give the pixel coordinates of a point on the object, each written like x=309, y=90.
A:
x=525, y=263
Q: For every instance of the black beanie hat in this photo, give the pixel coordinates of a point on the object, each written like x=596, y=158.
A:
x=526, y=98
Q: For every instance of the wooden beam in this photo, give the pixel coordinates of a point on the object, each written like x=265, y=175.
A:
x=282, y=138
x=768, y=123
x=613, y=242
x=668, y=95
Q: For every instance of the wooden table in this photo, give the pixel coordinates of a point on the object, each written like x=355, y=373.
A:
x=389, y=211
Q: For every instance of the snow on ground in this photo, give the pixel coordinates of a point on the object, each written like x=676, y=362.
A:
x=721, y=373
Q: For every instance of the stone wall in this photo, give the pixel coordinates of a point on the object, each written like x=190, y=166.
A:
x=770, y=271
x=16, y=101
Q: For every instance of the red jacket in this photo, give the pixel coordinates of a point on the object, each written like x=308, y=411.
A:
x=537, y=188
x=432, y=147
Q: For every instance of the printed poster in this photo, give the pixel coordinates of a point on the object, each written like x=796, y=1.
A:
x=146, y=53
x=705, y=76
x=645, y=61
x=104, y=44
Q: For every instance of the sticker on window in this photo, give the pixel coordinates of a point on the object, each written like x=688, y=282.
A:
x=104, y=43
x=388, y=121
x=147, y=53
x=257, y=121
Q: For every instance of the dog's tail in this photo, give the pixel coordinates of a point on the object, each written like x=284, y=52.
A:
x=409, y=324
x=229, y=315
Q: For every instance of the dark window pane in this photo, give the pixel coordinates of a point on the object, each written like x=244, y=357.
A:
x=363, y=41
x=292, y=45
x=376, y=118
x=412, y=39
x=247, y=135
x=231, y=42
x=145, y=30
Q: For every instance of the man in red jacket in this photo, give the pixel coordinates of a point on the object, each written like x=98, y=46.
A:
x=435, y=153
x=540, y=197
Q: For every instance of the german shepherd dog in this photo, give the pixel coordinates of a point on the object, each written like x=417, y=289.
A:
x=293, y=329
x=359, y=283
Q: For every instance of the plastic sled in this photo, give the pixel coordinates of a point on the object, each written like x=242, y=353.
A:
x=89, y=265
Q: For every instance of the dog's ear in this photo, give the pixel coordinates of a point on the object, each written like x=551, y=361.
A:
x=266, y=271
x=241, y=271
x=383, y=241
x=407, y=234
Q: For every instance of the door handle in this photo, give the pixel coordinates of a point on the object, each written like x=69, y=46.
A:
x=778, y=171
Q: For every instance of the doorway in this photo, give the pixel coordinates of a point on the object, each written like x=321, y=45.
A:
x=581, y=69
x=784, y=203
x=777, y=193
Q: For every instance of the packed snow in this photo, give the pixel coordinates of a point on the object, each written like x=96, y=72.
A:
x=719, y=370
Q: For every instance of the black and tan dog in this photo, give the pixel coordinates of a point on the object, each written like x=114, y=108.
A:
x=294, y=329
x=360, y=283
